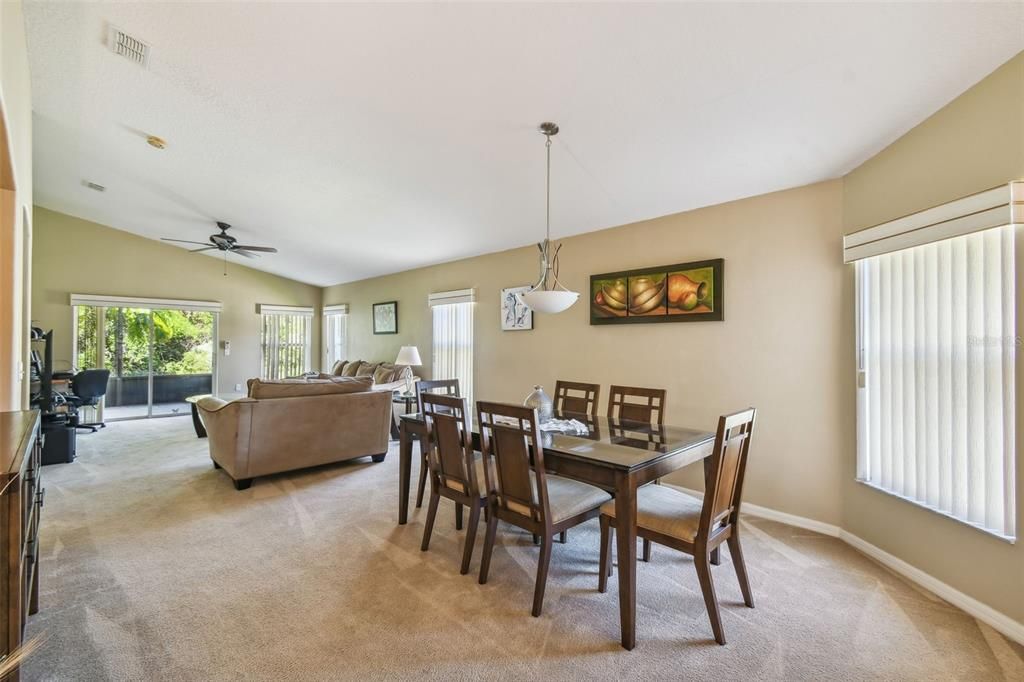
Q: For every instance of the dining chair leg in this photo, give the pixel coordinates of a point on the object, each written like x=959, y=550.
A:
x=422, y=486
x=458, y=516
x=647, y=549
x=741, y=568
x=702, y=560
x=536, y=539
x=485, y=559
x=563, y=537
x=428, y=528
x=542, y=573
x=467, y=551
x=604, y=569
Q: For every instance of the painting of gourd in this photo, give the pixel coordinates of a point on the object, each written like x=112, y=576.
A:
x=687, y=292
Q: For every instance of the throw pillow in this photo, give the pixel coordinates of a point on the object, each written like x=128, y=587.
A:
x=351, y=368
x=383, y=375
x=367, y=369
x=338, y=367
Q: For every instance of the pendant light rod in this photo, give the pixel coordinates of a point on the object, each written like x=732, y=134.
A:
x=540, y=297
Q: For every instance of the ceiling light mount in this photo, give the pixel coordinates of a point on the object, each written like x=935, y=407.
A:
x=156, y=142
x=548, y=295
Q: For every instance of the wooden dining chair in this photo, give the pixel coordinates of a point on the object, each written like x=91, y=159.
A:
x=672, y=518
x=568, y=397
x=443, y=387
x=629, y=403
x=525, y=496
x=456, y=471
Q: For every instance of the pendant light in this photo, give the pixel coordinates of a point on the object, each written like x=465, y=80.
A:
x=548, y=295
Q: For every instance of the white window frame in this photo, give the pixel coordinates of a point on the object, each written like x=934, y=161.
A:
x=335, y=334
x=304, y=337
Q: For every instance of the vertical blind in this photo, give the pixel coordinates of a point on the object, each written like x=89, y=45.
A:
x=285, y=342
x=937, y=337
x=453, y=346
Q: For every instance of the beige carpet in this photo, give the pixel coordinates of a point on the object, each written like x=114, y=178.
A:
x=155, y=568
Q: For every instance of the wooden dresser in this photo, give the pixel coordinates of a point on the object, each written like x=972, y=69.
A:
x=21, y=499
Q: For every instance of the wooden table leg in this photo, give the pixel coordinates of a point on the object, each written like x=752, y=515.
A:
x=404, y=471
x=716, y=554
x=625, y=536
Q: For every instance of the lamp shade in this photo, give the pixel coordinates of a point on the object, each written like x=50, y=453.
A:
x=408, y=355
x=549, y=301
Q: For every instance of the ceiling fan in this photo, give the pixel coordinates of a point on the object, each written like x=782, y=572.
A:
x=224, y=242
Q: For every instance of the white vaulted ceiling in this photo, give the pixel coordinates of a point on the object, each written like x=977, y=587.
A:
x=364, y=139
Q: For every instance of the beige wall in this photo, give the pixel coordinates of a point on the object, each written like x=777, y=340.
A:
x=15, y=237
x=76, y=256
x=974, y=143
x=777, y=348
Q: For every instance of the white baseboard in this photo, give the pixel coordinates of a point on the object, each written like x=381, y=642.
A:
x=986, y=614
x=773, y=515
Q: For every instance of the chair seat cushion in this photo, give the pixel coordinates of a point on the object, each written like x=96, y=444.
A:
x=664, y=510
x=567, y=497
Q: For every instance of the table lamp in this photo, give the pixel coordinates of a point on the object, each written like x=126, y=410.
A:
x=408, y=355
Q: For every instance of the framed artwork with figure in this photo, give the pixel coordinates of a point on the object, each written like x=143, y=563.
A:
x=515, y=315
x=385, y=317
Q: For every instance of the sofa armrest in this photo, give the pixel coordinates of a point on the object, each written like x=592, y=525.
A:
x=228, y=427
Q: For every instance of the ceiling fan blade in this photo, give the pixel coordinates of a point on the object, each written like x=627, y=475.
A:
x=241, y=252
x=205, y=248
x=183, y=241
x=265, y=249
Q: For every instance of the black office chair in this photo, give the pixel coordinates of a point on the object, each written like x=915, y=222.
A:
x=87, y=387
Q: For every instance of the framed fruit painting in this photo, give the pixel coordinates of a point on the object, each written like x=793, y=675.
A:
x=685, y=292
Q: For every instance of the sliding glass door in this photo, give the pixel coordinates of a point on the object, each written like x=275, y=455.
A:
x=156, y=357
x=182, y=353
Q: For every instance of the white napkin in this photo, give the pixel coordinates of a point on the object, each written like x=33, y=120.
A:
x=565, y=426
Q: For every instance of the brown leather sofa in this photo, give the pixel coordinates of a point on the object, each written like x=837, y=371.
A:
x=293, y=424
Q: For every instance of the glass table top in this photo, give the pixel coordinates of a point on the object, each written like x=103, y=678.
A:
x=616, y=443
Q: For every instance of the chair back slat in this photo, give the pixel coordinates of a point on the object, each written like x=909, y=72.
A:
x=513, y=458
x=724, y=487
x=634, y=404
x=577, y=397
x=435, y=386
x=449, y=438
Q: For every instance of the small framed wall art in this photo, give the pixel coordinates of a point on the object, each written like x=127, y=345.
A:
x=515, y=315
x=385, y=317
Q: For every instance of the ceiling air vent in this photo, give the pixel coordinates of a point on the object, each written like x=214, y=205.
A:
x=128, y=46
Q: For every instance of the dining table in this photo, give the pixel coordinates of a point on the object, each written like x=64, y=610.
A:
x=615, y=455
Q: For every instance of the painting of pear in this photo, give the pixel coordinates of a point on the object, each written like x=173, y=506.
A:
x=685, y=292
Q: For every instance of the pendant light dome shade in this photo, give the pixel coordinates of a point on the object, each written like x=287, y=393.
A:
x=549, y=301
x=548, y=296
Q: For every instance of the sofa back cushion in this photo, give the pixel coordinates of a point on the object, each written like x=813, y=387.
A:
x=291, y=388
x=367, y=369
x=350, y=368
x=383, y=374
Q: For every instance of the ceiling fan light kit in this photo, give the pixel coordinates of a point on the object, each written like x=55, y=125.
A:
x=548, y=295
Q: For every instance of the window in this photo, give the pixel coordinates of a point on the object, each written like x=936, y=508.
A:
x=286, y=341
x=335, y=335
x=937, y=337
x=453, y=339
